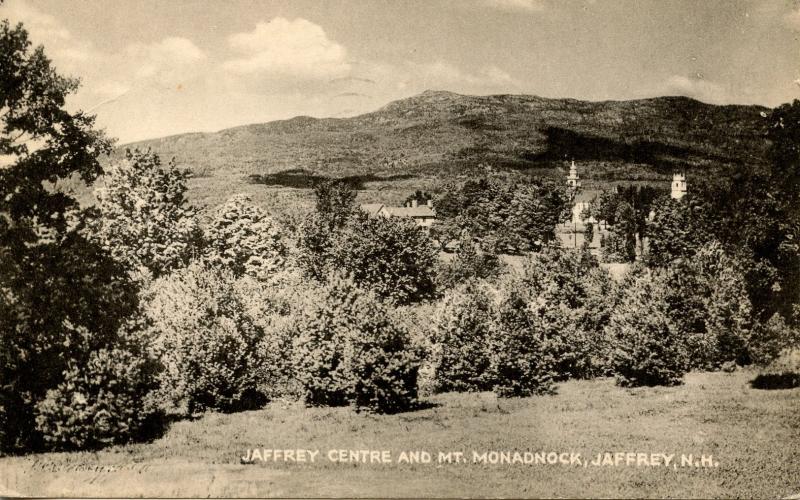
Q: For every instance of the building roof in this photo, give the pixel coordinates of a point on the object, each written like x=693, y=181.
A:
x=420, y=211
x=372, y=208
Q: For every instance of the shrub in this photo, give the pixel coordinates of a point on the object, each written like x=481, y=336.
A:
x=648, y=349
x=101, y=402
x=461, y=329
x=244, y=239
x=570, y=299
x=767, y=341
x=274, y=306
x=59, y=302
x=522, y=363
x=468, y=263
x=206, y=340
x=708, y=302
x=348, y=350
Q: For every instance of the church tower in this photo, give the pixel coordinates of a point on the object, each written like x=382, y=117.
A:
x=573, y=180
x=678, y=186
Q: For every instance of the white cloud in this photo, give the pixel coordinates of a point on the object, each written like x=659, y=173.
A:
x=169, y=60
x=283, y=48
x=105, y=74
x=516, y=5
x=44, y=29
x=697, y=88
x=280, y=69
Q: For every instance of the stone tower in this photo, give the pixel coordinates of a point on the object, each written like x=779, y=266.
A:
x=678, y=186
x=573, y=180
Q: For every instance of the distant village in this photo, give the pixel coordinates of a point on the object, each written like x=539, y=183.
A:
x=571, y=234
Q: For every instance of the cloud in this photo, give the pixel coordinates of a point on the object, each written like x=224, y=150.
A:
x=283, y=48
x=279, y=69
x=168, y=61
x=516, y=5
x=106, y=74
x=697, y=88
x=66, y=51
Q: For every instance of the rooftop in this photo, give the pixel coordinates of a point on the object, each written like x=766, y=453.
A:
x=418, y=211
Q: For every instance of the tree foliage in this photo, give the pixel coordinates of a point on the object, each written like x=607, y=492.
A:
x=144, y=220
x=503, y=215
x=206, y=339
x=393, y=257
x=61, y=297
x=648, y=348
x=244, y=239
x=349, y=350
x=461, y=330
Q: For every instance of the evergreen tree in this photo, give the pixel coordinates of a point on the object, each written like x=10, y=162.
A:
x=144, y=219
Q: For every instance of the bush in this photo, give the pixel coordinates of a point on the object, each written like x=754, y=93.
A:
x=348, y=350
x=648, y=348
x=206, y=340
x=461, y=329
x=468, y=263
x=522, y=363
x=101, y=402
x=59, y=302
x=767, y=341
x=570, y=299
x=391, y=256
x=274, y=306
x=708, y=302
x=244, y=239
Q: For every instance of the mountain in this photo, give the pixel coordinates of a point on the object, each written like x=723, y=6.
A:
x=443, y=134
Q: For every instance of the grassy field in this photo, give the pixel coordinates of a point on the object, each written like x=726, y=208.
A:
x=751, y=434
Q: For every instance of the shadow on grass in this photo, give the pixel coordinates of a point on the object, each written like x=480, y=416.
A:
x=772, y=381
x=301, y=178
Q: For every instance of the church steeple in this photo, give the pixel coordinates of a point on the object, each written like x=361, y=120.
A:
x=678, y=186
x=573, y=180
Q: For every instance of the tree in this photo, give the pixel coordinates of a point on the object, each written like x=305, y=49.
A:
x=648, y=349
x=144, y=220
x=335, y=202
x=461, y=331
x=350, y=349
x=206, y=339
x=61, y=296
x=503, y=214
x=676, y=230
x=620, y=246
x=392, y=257
x=469, y=263
x=244, y=239
x=42, y=141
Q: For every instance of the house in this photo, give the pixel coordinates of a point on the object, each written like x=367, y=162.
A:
x=423, y=215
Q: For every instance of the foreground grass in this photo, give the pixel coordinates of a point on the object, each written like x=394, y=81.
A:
x=752, y=434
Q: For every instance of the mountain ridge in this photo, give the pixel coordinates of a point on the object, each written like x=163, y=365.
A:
x=441, y=134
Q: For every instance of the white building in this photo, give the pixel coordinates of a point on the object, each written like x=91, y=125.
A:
x=423, y=215
x=678, y=186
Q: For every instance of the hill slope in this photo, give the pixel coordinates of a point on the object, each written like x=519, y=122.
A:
x=443, y=134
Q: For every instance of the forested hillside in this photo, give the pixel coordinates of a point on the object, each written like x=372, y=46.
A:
x=439, y=133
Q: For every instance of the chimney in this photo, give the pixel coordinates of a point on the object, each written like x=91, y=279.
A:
x=429, y=203
x=414, y=203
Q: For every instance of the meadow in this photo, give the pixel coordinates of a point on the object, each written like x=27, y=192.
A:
x=749, y=432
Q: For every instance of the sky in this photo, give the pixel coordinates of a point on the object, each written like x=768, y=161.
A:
x=151, y=68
